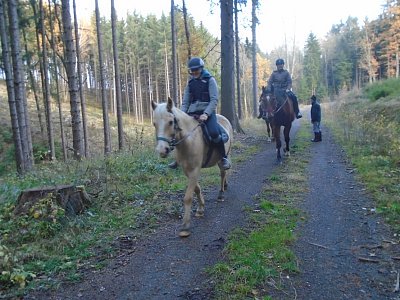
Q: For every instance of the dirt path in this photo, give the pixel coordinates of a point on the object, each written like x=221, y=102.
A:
x=168, y=267
x=340, y=234
x=344, y=251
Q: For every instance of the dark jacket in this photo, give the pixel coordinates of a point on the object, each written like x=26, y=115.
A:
x=315, y=111
x=280, y=79
x=201, y=95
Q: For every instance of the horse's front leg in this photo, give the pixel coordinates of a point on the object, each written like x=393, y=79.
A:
x=224, y=185
x=286, y=133
x=187, y=203
x=268, y=131
x=200, y=197
x=277, y=135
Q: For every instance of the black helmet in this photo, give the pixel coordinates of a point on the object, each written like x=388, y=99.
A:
x=195, y=63
x=280, y=61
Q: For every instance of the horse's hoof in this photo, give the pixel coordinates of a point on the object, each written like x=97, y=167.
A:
x=184, y=233
x=199, y=214
x=269, y=140
x=221, y=197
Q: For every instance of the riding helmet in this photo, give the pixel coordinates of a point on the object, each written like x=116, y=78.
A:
x=195, y=63
x=280, y=61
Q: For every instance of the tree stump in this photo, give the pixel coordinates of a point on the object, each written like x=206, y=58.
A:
x=73, y=199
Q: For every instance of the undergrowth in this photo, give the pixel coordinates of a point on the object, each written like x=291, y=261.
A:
x=370, y=134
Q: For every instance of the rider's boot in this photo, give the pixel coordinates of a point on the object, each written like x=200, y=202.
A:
x=296, y=106
x=315, y=139
x=260, y=113
x=225, y=163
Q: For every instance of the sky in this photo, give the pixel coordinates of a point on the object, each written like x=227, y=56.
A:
x=278, y=19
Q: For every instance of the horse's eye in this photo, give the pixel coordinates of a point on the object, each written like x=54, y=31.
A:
x=171, y=123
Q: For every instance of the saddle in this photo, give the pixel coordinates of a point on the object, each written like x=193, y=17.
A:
x=222, y=132
x=207, y=138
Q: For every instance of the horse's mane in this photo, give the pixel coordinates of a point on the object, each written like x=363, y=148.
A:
x=182, y=117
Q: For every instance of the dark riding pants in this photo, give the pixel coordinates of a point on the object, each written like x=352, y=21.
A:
x=293, y=97
x=213, y=131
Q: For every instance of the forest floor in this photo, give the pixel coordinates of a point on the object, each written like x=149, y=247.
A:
x=343, y=248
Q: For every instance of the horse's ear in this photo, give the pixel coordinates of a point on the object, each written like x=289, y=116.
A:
x=153, y=104
x=170, y=104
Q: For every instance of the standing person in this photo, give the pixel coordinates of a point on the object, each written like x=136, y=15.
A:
x=316, y=119
x=200, y=99
x=279, y=80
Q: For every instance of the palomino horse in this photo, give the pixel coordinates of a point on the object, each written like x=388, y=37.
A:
x=176, y=129
x=280, y=110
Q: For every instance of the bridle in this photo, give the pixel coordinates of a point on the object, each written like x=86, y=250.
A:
x=173, y=142
x=276, y=110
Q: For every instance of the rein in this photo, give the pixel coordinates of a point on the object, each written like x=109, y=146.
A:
x=173, y=142
x=280, y=107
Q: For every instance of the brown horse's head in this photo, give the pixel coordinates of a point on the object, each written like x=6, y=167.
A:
x=166, y=127
x=267, y=102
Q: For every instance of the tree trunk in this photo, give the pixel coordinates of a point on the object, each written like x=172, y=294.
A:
x=19, y=88
x=174, y=57
x=55, y=74
x=227, y=61
x=187, y=32
x=80, y=84
x=106, y=123
x=121, y=142
x=33, y=83
x=70, y=63
x=237, y=42
x=254, y=22
x=37, y=25
x=127, y=96
x=46, y=90
x=19, y=159
x=166, y=69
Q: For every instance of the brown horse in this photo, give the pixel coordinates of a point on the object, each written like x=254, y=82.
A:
x=263, y=111
x=176, y=129
x=280, y=111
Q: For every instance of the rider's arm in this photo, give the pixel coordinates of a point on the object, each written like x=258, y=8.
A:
x=213, y=91
x=289, y=80
x=186, y=98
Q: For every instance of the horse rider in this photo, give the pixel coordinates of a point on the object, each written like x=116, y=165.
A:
x=200, y=98
x=316, y=119
x=280, y=79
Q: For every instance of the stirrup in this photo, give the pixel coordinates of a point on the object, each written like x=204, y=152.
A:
x=173, y=165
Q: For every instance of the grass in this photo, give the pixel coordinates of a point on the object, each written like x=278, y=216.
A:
x=370, y=134
x=260, y=253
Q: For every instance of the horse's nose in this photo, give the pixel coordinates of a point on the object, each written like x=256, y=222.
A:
x=167, y=150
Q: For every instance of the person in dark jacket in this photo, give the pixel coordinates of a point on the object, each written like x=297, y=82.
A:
x=279, y=80
x=200, y=98
x=316, y=119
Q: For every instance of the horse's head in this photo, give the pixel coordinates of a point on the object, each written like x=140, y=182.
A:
x=267, y=102
x=166, y=126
